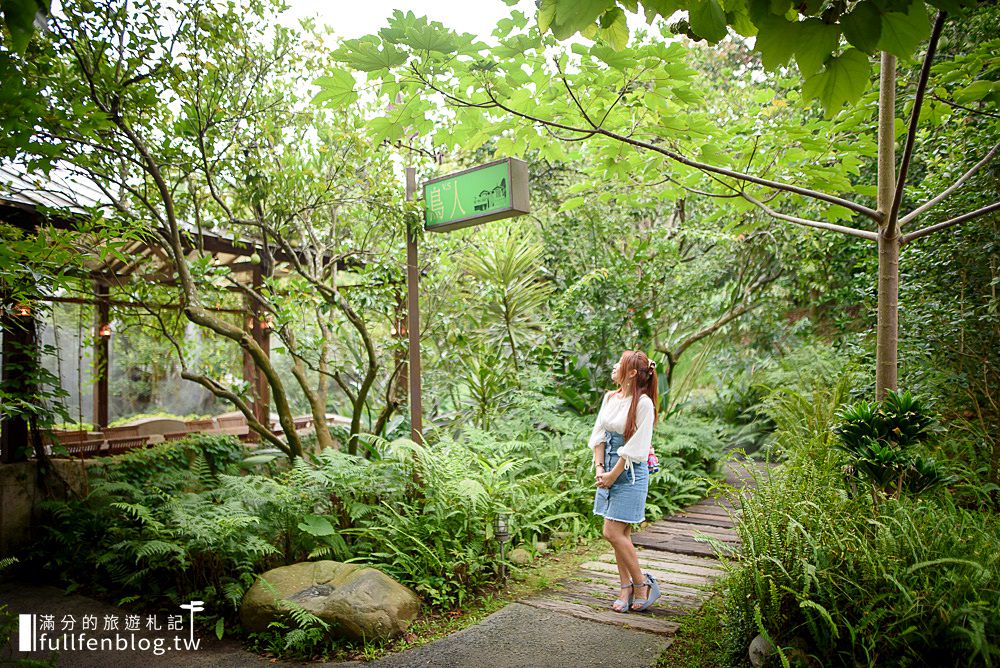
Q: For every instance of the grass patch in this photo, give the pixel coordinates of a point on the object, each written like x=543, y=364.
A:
x=697, y=643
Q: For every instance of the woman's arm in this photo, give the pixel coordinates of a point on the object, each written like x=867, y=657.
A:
x=609, y=477
x=597, y=434
x=599, y=458
x=638, y=446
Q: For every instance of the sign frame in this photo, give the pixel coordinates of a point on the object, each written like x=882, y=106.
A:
x=517, y=176
x=517, y=179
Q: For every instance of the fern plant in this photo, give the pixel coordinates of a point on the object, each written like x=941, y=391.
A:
x=300, y=634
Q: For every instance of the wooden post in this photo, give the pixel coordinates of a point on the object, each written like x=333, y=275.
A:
x=20, y=357
x=102, y=353
x=413, y=317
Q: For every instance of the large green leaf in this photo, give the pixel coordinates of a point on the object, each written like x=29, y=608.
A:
x=707, y=19
x=336, y=89
x=369, y=54
x=546, y=14
x=619, y=61
x=573, y=203
x=430, y=37
x=664, y=8
x=316, y=525
x=614, y=29
x=572, y=17
x=385, y=128
x=903, y=33
x=19, y=17
x=863, y=26
x=814, y=44
x=977, y=90
x=776, y=40
x=844, y=79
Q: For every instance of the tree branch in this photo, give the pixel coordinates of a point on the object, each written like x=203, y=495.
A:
x=719, y=323
x=956, y=105
x=911, y=133
x=344, y=386
x=677, y=157
x=989, y=208
x=952, y=188
x=223, y=392
x=864, y=234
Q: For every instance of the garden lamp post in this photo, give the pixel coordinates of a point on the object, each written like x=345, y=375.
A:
x=503, y=536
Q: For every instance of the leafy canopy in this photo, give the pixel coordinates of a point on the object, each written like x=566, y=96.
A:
x=829, y=41
x=521, y=96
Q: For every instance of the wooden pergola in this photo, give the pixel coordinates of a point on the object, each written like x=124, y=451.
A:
x=33, y=205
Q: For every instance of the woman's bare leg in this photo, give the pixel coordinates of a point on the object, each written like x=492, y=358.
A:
x=641, y=590
x=619, y=535
x=626, y=556
x=611, y=534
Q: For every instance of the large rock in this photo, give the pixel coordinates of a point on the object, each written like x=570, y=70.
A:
x=359, y=602
x=520, y=556
x=760, y=651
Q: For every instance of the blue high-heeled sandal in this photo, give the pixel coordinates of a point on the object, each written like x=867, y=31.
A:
x=654, y=593
x=626, y=605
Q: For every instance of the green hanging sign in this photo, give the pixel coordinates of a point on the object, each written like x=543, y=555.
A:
x=477, y=195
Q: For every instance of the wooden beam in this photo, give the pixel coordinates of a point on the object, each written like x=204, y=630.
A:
x=137, y=305
x=102, y=353
x=20, y=356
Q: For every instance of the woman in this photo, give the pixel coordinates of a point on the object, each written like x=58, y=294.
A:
x=622, y=442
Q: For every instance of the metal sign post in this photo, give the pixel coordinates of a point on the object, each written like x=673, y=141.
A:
x=496, y=190
x=413, y=318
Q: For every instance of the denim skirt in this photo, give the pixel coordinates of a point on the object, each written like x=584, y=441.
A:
x=625, y=500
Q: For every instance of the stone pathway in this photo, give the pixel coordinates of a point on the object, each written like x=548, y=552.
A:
x=684, y=566
x=572, y=624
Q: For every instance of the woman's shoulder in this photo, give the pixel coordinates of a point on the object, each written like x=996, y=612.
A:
x=646, y=399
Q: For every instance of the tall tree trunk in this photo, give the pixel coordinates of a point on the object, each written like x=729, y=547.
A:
x=323, y=434
x=887, y=336
x=317, y=405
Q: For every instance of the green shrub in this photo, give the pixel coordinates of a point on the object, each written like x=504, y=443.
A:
x=859, y=579
x=689, y=448
x=159, y=526
x=183, y=520
x=882, y=441
x=908, y=582
x=804, y=416
x=750, y=396
x=167, y=465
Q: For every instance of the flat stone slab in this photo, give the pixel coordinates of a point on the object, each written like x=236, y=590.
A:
x=522, y=636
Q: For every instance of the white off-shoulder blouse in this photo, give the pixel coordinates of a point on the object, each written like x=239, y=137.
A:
x=612, y=416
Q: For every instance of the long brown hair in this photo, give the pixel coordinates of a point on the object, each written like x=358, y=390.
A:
x=644, y=382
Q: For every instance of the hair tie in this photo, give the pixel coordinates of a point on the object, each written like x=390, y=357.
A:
x=652, y=364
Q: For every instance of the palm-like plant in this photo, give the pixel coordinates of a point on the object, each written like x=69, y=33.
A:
x=881, y=440
x=485, y=376
x=512, y=291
